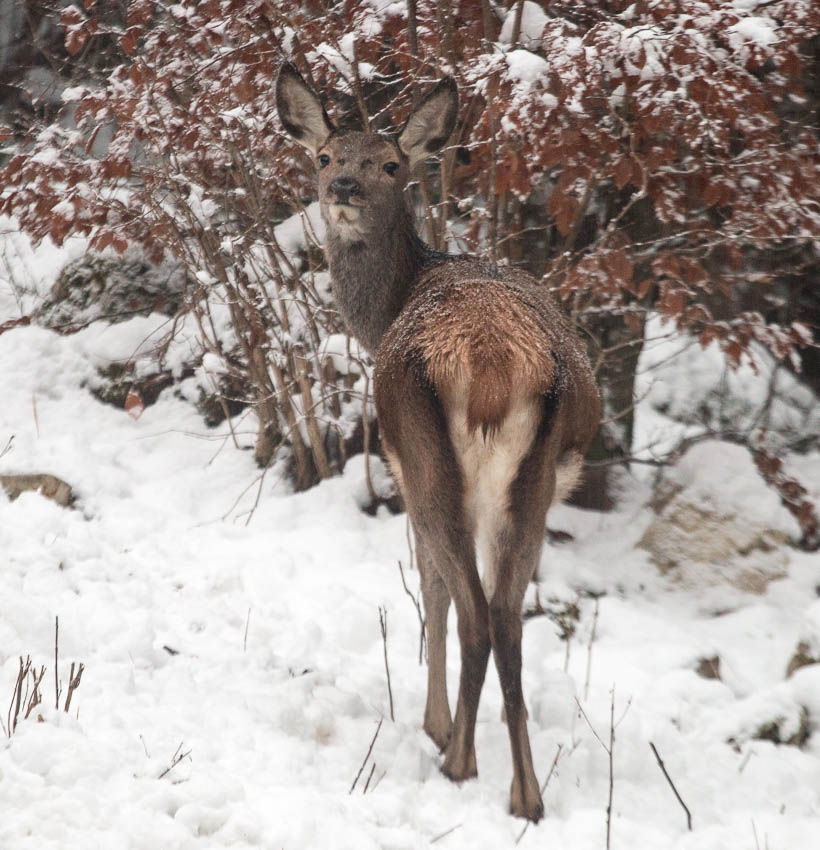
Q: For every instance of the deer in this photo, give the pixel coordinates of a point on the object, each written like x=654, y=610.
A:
x=485, y=401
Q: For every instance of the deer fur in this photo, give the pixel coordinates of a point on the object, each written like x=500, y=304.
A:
x=485, y=399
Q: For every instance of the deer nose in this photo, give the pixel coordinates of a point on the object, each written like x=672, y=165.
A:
x=344, y=187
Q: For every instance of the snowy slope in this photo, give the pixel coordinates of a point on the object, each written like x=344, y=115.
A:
x=251, y=643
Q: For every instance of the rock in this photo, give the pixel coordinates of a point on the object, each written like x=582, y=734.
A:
x=808, y=647
x=46, y=485
x=780, y=730
x=718, y=522
x=708, y=668
x=801, y=658
x=98, y=286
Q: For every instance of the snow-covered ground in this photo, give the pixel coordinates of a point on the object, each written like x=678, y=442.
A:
x=247, y=640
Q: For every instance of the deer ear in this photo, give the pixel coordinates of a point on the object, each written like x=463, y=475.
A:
x=431, y=124
x=300, y=110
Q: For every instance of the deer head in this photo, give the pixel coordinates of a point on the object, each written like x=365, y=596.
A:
x=362, y=175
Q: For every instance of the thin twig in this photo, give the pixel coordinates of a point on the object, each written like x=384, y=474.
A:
x=589, y=723
x=374, y=499
x=589, y=648
x=672, y=786
x=369, y=777
x=516, y=33
x=245, y=639
x=367, y=755
x=543, y=788
x=611, y=752
x=383, y=627
x=36, y=416
x=376, y=784
x=419, y=612
x=36, y=696
x=73, y=683
x=446, y=833
x=56, y=676
x=175, y=760
x=754, y=832
x=14, y=705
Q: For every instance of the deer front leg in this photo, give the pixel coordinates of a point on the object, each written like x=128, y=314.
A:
x=438, y=723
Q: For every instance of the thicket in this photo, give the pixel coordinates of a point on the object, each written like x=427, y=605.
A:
x=637, y=157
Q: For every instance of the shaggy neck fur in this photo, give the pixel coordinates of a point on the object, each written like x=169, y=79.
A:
x=372, y=279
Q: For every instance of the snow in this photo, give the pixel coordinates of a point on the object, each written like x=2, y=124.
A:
x=717, y=397
x=293, y=233
x=337, y=346
x=533, y=21
x=526, y=68
x=74, y=93
x=757, y=30
x=719, y=476
x=244, y=638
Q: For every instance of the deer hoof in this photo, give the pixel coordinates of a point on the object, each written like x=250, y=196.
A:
x=440, y=735
x=526, y=803
x=459, y=766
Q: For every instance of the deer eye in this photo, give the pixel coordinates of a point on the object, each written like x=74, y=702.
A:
x=324, y=160
x=391, y=167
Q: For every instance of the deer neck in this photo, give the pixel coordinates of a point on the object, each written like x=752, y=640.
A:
x=372, y=278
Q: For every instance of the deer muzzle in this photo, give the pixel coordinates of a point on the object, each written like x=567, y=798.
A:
x=345, y=188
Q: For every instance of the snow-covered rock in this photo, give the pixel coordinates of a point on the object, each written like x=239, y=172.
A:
x=46, y=485
x=718, y=522
x=99, y=286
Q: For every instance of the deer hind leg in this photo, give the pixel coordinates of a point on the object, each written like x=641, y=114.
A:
x=438, y=722
x=518, y=547
x=446, y=539
x=474, y=639
x=505, y=633
x=415, y=435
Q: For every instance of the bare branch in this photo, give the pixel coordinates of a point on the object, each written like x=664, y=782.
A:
x=419, y=613
x=73, y=683
x=672, y=786
x=383, y=627
x=367, y=755
x=543, y=787
x=589, y=648
x=175, y=760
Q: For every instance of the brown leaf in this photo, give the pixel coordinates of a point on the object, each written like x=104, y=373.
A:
x=619, y=266
x=76, y=33
x=672, y=302
x=244, y=91
x=633, y=322
x=623, y=172
x=139, y=12
x=129, y=40
x=134, y=404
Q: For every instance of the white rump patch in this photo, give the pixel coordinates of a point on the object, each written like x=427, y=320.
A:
x=489, y=468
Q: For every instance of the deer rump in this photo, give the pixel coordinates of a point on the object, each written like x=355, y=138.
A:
x=468, y=385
